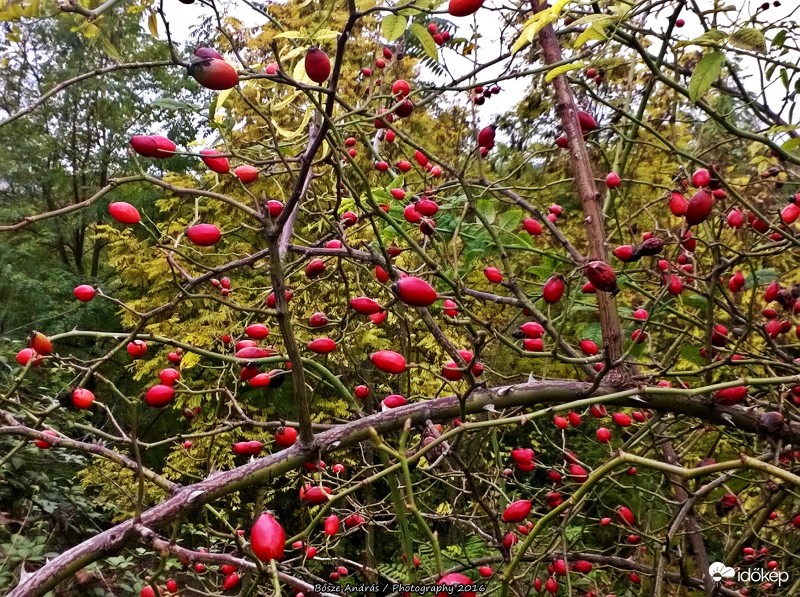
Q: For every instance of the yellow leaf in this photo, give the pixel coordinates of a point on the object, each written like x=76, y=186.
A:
x=519, y=44
x=152, y=23
x=299, y=130
x=324, y=34
x=444, y=509
x=278, y=106
x=592, y=33
x=291, y=35
x=32, y=9
x=223, y=95
x=294, y=53
x=189, y=360
x=558, y=7
x=535, y=24
x=89, y=30
x=560, y=70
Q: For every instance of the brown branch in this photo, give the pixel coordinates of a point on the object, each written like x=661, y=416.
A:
x=96, y=449
x=27, y=220
x=82, y=77
x=561, y=394
x=584, y=181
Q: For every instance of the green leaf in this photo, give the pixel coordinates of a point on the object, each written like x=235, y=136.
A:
x=694, y=301
x=791, y=144
x=110, y=49
x=763, y=277
x=712, y=36
x=591, y=331
x=705, y=73
x=510, y=219
x=425, y=38
x=749, y=38
x=486, y=207
x=393, y=26
x=212, y=108
x=692, y=354
x=564, y=68
x=780, y=37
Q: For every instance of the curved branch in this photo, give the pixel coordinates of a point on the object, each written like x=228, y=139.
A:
x=558, y=393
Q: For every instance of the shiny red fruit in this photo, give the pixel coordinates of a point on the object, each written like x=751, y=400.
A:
x=331, y=525
x=426, y=207
x=602, y=276
x=493, y=275
x=587, y=121
x=364, y=305
x=84, y=293
x=144, y=145
x=415, y=291
x=699, y=208
x=285, y=436
x=678, y=204
x=388, y=361
x=553, y=289
x=275, y=208
x=730, y=396
x=213, y=73
x=204, y=235
x=322, y=345
x=486, y=137
x=318, y=65
x=169, y=376
x=315, y=268
x=215, y=161
x=626, y=253
x=626, y=515
x=159, y=396
x=701, y=178
x=246, y=173
x=394, y=401
x=251, y=448
x=256, y=331
x=230, y=582
x=40, y=343
x=267, y=538
x=124, y=213
x=621, y=419
x=137, y=349
x=82, y=398
x=589, y=347
x=517, y=511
